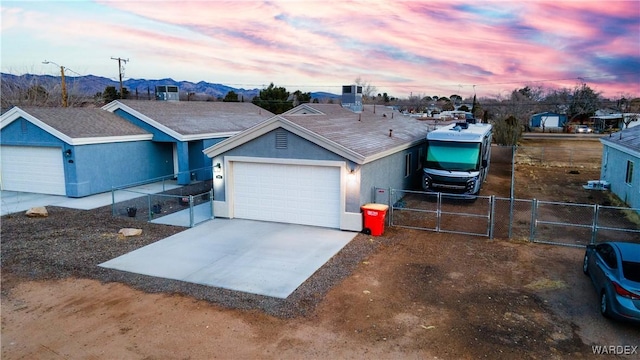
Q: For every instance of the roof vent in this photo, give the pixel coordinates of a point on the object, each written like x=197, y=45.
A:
x=281, y=139
x=460, y=126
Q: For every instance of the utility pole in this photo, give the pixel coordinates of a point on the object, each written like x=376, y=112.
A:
x=63, y=85
x=120, y=70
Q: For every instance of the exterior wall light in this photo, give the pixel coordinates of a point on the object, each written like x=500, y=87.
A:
x=67, y=153
x=217, y=167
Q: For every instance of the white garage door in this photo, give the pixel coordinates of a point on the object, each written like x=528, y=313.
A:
x=32, y=169
x=298, y=194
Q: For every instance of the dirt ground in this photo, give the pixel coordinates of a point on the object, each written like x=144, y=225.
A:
x=415, y=295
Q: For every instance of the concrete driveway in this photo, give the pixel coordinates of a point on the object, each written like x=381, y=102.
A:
x=264, y=258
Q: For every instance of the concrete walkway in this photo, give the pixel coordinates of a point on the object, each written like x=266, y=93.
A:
x=271, y=259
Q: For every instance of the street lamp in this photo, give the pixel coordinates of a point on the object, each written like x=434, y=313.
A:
x=64, y=85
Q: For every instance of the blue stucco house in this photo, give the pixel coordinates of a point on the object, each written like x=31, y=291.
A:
x=621, y=164
x=75, y=151
x=316, y=164
x=189, y=127
x=78, y=152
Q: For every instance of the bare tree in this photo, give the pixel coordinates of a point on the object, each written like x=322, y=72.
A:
x=368, y=90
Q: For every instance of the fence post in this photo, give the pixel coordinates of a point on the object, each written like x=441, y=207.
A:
x=534, y=217
x=190, y=211
x=492, y=211
x=213, y=216
x=594, y=228
x=438, y=211
x=390, y=217
x=512, y=190
x=113, y=202
x=149, y=207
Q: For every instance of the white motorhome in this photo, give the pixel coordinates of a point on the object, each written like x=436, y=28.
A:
x=457, y=159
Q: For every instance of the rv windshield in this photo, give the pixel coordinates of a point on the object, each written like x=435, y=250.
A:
x=453, y=156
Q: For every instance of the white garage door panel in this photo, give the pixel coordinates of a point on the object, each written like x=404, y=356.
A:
x=298, y=194
x=32, y=169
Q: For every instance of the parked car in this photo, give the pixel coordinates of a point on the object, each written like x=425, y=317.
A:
x=614, y=269
x=583, y=129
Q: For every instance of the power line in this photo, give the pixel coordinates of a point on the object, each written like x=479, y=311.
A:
x=120, y=71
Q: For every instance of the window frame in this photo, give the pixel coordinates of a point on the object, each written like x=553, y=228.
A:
x=628, y=178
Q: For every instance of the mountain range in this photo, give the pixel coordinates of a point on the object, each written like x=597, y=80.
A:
x=89, y=85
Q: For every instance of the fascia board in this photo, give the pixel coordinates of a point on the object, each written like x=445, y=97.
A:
x=210, y=136
x=16, y=113
x=116, y=105
x=110, y=139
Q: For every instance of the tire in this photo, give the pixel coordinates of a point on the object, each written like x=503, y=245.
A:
x=366, y=231
x=585, y=264
x=605, y=307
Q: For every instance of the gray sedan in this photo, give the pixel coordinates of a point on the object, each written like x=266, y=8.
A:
x=614, y=269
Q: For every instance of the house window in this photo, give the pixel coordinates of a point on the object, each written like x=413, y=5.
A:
x=281, y=139
x=629, y=176
x=407, y=164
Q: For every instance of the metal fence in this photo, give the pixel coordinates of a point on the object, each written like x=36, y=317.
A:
x=533, y=220
x=162, y=201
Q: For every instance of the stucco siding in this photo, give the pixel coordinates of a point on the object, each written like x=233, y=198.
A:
x=23, y=132
x=99, y=167
x=389, y=172
x=296, y=148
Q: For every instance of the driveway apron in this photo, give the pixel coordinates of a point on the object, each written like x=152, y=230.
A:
x=271, y=259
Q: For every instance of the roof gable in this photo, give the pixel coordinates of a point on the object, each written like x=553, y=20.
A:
x=359, y=137
x=77, y=126
x=193, y=120
x=274, y=123
x=303, y=110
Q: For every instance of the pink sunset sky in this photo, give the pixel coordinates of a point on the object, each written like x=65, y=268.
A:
x=402, y=48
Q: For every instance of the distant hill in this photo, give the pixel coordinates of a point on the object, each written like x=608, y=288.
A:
x=89, y=85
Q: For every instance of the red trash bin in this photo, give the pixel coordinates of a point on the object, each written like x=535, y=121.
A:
x=374, y=215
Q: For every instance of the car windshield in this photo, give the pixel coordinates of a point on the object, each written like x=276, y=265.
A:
x=631, y=270
x=453, y=156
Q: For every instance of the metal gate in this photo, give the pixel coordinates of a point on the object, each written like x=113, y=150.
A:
x=557, y=223
x=441, y=212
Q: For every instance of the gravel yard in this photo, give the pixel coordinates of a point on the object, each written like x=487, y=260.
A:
x=407, y=294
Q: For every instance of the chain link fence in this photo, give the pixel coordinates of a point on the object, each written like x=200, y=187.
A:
x=186, y=205
x=558, y=223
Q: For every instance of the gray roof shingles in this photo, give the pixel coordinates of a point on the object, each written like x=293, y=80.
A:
x=366, y=133
x=629, y=138
x=201, y=117
x=84, y=122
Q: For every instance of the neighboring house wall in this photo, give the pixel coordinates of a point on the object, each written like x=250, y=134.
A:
x=99, y=167
x=191, y=160
x=614, y=170
x=95, y=168
x=548, y=119
x=23, y=132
